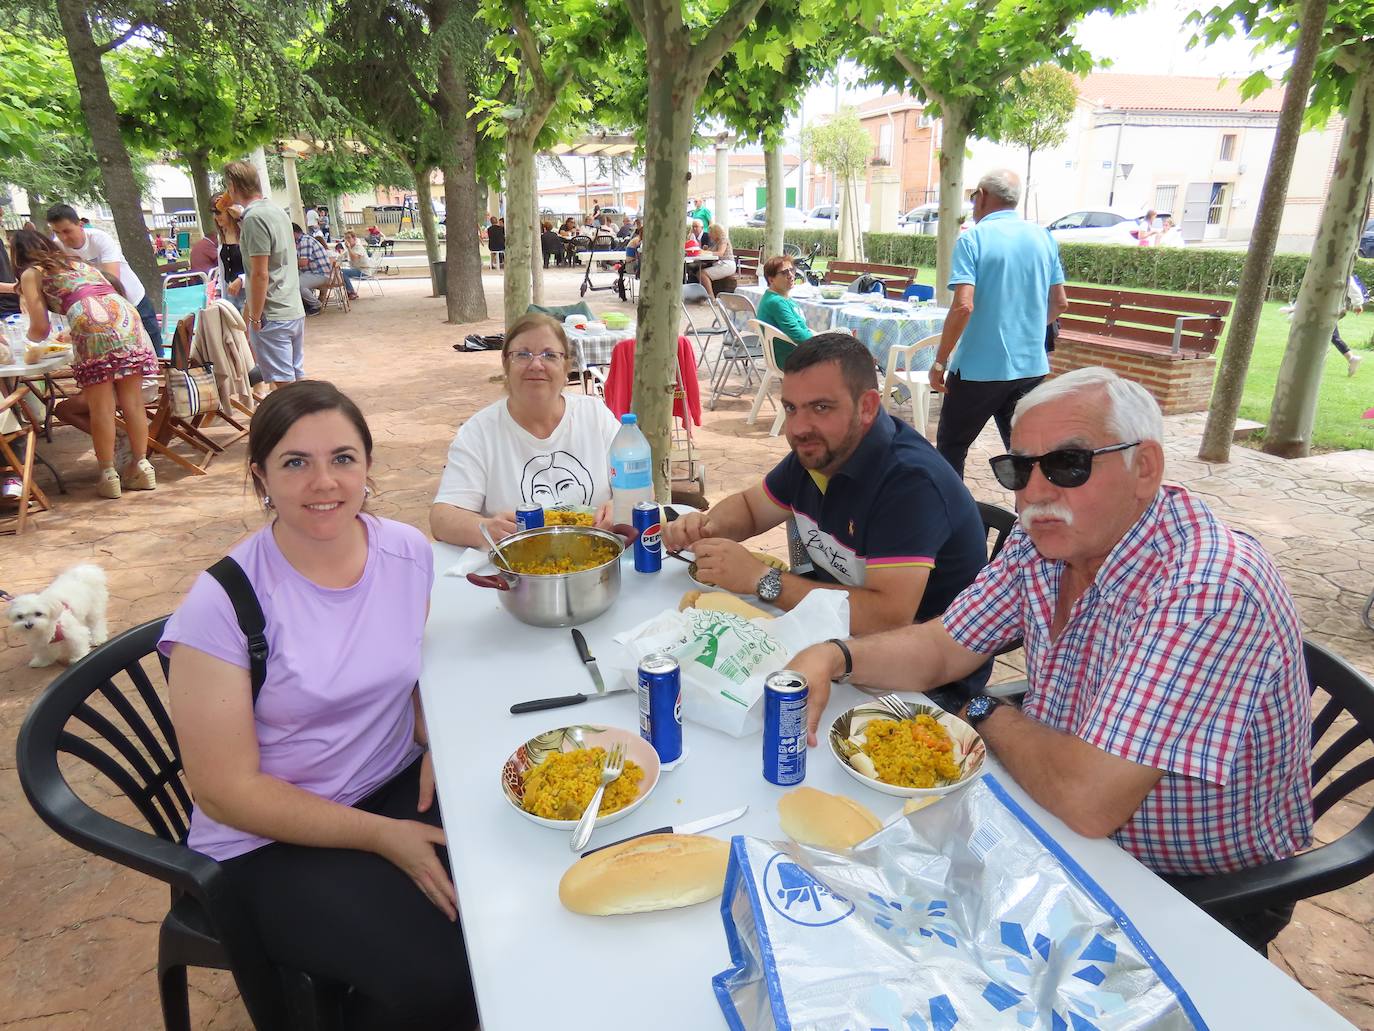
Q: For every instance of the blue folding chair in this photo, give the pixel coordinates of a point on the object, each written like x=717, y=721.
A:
x=183, y=293
x=919, y=292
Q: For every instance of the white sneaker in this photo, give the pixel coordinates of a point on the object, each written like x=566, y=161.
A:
x=1353, y=360
x=140, y=476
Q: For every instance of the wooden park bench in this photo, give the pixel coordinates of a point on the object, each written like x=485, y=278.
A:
x=896, y=278
x=1161, y=325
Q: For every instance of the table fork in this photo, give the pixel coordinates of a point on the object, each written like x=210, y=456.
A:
x=614, y=767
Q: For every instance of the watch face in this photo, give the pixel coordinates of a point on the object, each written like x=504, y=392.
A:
x=979, y=707
x=770, y=587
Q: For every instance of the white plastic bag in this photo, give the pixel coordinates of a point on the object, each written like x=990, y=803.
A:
x=725, y=657
x=962, y=915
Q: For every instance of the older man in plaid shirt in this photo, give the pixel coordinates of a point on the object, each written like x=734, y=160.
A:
x=313, y=262
x=1168, y=704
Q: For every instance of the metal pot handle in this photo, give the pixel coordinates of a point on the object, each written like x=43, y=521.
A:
x=629, y=533
x=495, y=582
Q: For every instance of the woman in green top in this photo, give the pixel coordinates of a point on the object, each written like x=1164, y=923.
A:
x=776, y=308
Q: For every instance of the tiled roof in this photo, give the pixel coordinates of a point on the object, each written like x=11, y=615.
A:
x=1172, y=93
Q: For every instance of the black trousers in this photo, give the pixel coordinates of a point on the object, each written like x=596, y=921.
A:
x=355, y=918
x=966, y=409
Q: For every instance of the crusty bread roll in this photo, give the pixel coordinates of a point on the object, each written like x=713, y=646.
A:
x=720, y=601
x=832, y=822
x=657, y=871
x=916, y=804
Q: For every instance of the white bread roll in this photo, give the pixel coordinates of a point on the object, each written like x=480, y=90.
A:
x=657, y=871
x=719, y=601
x=831, y=822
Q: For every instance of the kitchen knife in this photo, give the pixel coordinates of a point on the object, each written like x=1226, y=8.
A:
x=693, y=827
x=588, y=660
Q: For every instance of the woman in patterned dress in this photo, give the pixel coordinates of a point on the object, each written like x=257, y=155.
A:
x=112, y=350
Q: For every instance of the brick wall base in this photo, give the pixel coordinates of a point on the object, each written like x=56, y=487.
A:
x=1183, y=385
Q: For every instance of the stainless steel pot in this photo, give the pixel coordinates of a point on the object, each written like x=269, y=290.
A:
x=557, y=599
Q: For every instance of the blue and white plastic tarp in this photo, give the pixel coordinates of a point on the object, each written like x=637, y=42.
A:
x=964, y=915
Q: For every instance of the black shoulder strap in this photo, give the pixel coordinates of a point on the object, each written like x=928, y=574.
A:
x=249, y=614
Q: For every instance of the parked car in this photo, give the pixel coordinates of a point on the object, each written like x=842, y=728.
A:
x=1367, y=240
x=824, y=213
x=1098, y=227
x=925, y=218
x=792, y=219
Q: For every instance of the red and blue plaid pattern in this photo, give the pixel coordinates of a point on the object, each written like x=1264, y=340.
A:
x=1185, y=655
x=316, y=257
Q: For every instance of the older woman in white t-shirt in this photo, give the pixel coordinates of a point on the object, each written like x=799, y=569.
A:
x=536, y=446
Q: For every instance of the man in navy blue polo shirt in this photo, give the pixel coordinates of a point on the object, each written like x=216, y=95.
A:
x=880, y=514
x=1008, y=286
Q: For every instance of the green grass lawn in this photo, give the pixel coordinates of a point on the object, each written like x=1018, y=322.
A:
x=1344, y=399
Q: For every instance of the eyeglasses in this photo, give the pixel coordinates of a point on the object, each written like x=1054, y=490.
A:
x=1066, y=467
x=547, y=357
x=789, y=272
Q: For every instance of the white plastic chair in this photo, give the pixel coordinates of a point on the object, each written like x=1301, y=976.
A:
x=900, y=374
x=772, y=374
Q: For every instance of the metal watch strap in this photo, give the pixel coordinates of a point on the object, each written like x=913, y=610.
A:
x=844, y=677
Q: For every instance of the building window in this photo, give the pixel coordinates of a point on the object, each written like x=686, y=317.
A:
x=1165, y=198
x=1216, y=207
x=1228, y=147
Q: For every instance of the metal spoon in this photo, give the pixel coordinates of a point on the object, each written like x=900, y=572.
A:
x=496, y=548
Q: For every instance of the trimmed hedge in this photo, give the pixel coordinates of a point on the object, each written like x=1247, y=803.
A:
x=1182, y=270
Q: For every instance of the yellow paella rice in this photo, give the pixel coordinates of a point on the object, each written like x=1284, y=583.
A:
x=911, y=753
x=560, y=787
x=567, y=517
x=597, y=554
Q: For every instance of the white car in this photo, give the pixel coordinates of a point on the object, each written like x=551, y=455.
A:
x=792, y=218
x=1098, y=227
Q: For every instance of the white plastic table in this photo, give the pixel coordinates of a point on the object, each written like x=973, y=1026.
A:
x=535, y=964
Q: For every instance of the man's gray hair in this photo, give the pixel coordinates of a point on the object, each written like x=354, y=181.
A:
x=1132, y=414
x=1002, y=183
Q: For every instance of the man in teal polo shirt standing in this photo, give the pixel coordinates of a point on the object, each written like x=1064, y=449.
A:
x=1008, y=287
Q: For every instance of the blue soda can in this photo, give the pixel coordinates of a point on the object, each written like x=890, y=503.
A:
x=660, y=705
x=649, y=543
x=784, y=727
x=529, y=517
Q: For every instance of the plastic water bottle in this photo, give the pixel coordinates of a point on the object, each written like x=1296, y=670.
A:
x=632, y=472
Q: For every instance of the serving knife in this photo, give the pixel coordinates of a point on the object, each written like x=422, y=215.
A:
x=573, y=699
x=693, y=827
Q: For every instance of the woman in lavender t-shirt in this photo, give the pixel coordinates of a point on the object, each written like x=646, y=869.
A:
x=319, y=800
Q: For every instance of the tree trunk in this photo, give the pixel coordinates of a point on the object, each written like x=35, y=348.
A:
x=1025, y=186
x=466, y=301
x=537, y=260
x=336, y=215
x=521, y=235
x=1319, y=298
x=953, y=142
x=723, y=185
x=669, y=139
x=851, y=236
x=1254, y=276
x=199, y=164
x=773, y=179
x=424, y=204
x=116, y=170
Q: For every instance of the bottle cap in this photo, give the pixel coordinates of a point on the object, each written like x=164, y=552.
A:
x=629, y=419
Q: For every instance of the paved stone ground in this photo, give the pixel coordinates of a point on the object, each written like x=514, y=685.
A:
x=78, y=935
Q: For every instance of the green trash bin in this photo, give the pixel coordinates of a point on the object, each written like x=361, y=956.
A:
x=183, y=241
x=438, y=275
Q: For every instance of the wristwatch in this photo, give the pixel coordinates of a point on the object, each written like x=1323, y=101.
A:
x=980, y=708
x=939, y=366
x=848, y=673
x=770, y=586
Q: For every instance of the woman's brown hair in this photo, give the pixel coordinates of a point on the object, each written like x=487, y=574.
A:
x=528, y=323
x=283, y=408
x=31, y=249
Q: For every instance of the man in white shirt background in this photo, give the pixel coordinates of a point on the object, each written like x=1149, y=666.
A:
x=103, y=251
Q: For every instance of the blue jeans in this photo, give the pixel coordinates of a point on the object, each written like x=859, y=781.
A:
x=350, y=278
x=149, y=318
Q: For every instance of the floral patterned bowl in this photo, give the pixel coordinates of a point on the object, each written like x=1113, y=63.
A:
x=569, y=739
x=969, y=749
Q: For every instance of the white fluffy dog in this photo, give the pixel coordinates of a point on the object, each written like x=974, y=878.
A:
x=64, y=622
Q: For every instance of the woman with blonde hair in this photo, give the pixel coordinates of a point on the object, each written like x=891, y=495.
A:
x=112, y=351
x=536, y=446
x=724, y=266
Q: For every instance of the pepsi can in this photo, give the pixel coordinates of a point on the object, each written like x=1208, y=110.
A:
x=784, y=727
x=528, y=517
x=649, y=542
x=660, y=705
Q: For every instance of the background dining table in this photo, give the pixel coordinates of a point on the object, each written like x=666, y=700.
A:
x=534, y=963
x=901, y=325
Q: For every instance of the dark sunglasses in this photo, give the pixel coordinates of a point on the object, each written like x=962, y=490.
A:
x=1066, y=467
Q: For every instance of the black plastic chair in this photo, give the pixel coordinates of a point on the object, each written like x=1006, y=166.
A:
x=1327, y=867
x=998, y=522
x=105, y=712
